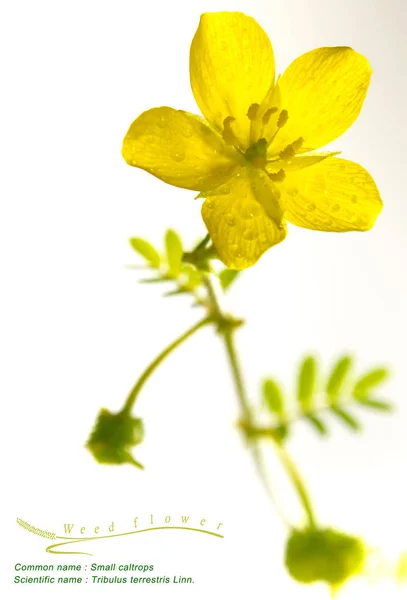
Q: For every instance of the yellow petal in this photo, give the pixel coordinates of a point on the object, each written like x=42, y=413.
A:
x=323, y=92
x=231, y=68
x=244, y=218
x=301, y=161
x=332, y=195
x=179, y=148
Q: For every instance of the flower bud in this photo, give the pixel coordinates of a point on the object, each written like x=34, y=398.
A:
x=112, y=437
x=323, y=555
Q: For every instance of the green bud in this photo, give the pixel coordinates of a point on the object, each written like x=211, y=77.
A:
x=323, y=555
x=113, y=436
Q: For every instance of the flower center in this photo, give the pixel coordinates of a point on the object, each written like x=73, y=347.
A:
x=258, y=153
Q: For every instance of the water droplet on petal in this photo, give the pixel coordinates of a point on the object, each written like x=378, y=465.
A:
x=336, y=208
x=311, y=207
x=354, y=199
x=187, y=131
x=234, y=249
x=293, y=191
x=358, y=221
x=178, y=156
x=210, y=204
x=162, y=122
x=249, y=235
x=263, y=239
x=230, y=220
x=249, y=211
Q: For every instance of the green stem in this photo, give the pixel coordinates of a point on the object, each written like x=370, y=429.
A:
x=227, y=334
x=237, y=376
x=203, y=243
x=245, y=407
x=131, y=398
x=297, y=481
x=283, y=455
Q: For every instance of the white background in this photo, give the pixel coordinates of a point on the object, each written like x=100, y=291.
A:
x=77, y=328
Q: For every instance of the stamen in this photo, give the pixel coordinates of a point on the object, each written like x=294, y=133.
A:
x=267, y=115
x=290, y=150
x=227, y=134
x=253, y=110
x=282, y=119
x=298, y=143
x=279, y=176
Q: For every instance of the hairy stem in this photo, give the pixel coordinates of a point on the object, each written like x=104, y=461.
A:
x=227, y=334
x=132, y=397
x=286, y=460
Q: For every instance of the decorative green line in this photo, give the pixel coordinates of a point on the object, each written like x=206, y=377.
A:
x=46, y=534
x=51, y=550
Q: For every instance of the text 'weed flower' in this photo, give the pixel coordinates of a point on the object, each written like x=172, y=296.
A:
x=253, y=155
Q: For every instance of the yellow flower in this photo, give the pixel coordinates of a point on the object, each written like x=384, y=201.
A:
x=253, y=155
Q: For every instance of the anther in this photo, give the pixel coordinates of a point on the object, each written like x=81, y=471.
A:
x=268, y=113
x=282, y=119
x=227, y=133
x=290, y=150
x=279, y=176
x=253, y=110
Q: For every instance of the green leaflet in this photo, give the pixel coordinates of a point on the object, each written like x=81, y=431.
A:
x=337, y=377
x=273, y=397
x=346, y=418
x=318, y=425
x=146, y=250
x=193, y=275
x=372, y=379
x=174, y=249
x=306, y=382
x=376, y=404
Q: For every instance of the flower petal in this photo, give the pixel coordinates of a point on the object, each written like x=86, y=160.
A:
x=301, y=161
x=231, y=68
x=332, y=195
x=323, y=92
x=244, y=218
x=179, y=148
